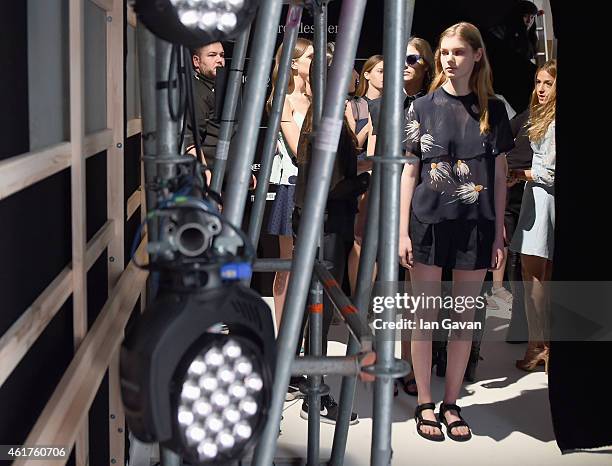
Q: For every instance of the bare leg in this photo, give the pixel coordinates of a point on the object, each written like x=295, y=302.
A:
x=466, y=283
x=353, y=265
x=498, y=275
x=281, y=278
x=406, y=345
x=425, y=279
x=536, y=271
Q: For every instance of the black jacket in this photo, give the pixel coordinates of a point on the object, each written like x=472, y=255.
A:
x=207, y=123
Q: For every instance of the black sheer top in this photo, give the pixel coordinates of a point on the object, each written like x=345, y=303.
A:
x=457, y=162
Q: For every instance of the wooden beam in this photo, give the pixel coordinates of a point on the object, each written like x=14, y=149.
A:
x=67, y=409
x=133, y=203
x=78, y=195
x=98, y=243
x=21, y=171
x=106, y=5
x=134, y=126
x=115, y=118
x=20, y=337
x=97, y=142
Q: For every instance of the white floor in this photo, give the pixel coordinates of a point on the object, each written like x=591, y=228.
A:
x=508, y=411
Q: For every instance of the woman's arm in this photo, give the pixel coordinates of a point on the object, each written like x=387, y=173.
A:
x=350, y=118
x=363, y=134
x=289, y=128
x=410, y=176
x=501, y=174
x=371, y=149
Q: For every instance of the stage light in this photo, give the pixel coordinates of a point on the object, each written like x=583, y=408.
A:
x=203, y=395
x=194, y=23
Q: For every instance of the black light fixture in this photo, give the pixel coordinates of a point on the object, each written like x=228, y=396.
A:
x=199, y=392
x=194, y=23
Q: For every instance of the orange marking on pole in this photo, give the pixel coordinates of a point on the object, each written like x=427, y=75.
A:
x=331, y=283
x=315, y=308
x=349, y=310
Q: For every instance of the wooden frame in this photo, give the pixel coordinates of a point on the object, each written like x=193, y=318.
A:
x=22, y=171
x=64, y=419
x=66, y=410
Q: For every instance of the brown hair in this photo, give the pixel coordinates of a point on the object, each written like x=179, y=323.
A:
x=481, y=82
x=298, y=50
x=427, y=56
x=368, y=66
x=541, y=116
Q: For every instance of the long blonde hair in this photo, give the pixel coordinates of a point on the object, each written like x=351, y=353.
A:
x=298, y=50
x=481, y=82
x=541, y=116
x=427, y=56
x=368, y=66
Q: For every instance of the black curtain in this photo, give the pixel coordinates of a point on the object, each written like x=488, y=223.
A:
x=578, y=391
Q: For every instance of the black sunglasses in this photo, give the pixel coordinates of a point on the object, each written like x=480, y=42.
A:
x=412, y=59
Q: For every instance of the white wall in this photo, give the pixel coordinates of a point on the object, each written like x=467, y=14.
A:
x=48, y=72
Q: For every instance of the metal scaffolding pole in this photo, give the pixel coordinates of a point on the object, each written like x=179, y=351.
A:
x=294, y=15
x=315, y=308
x=325, y=146
x=365, y=272
x=166, y=152
x=242, y=150
x=315, y=319
x=167, y=128
x=146, y=64
x=394, y=51
x=229, y=109
x=320, y=61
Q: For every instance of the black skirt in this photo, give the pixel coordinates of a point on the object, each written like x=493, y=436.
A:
x=282, y=210
x=454, y=244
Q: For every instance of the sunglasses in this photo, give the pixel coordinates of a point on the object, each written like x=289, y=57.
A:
x=412, y=59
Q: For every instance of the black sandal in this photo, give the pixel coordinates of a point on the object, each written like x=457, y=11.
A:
x=449, y=427
x=406, y=383
x=425, y=422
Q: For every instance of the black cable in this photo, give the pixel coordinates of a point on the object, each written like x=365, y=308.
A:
x=173, y=114
x=184, y=73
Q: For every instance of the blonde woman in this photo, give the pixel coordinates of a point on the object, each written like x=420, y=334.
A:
x=534, y=234
x=284, y=167
x=453, y=197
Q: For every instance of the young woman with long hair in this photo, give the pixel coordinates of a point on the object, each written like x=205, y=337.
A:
x=369, y=88
x=362, y=114
x=453, y=196
x=535, y=231
x=338, y=228
x=418, y=73
x=284, y=168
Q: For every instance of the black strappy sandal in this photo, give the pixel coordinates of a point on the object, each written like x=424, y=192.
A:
x=425, y=422
x=449, y=427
